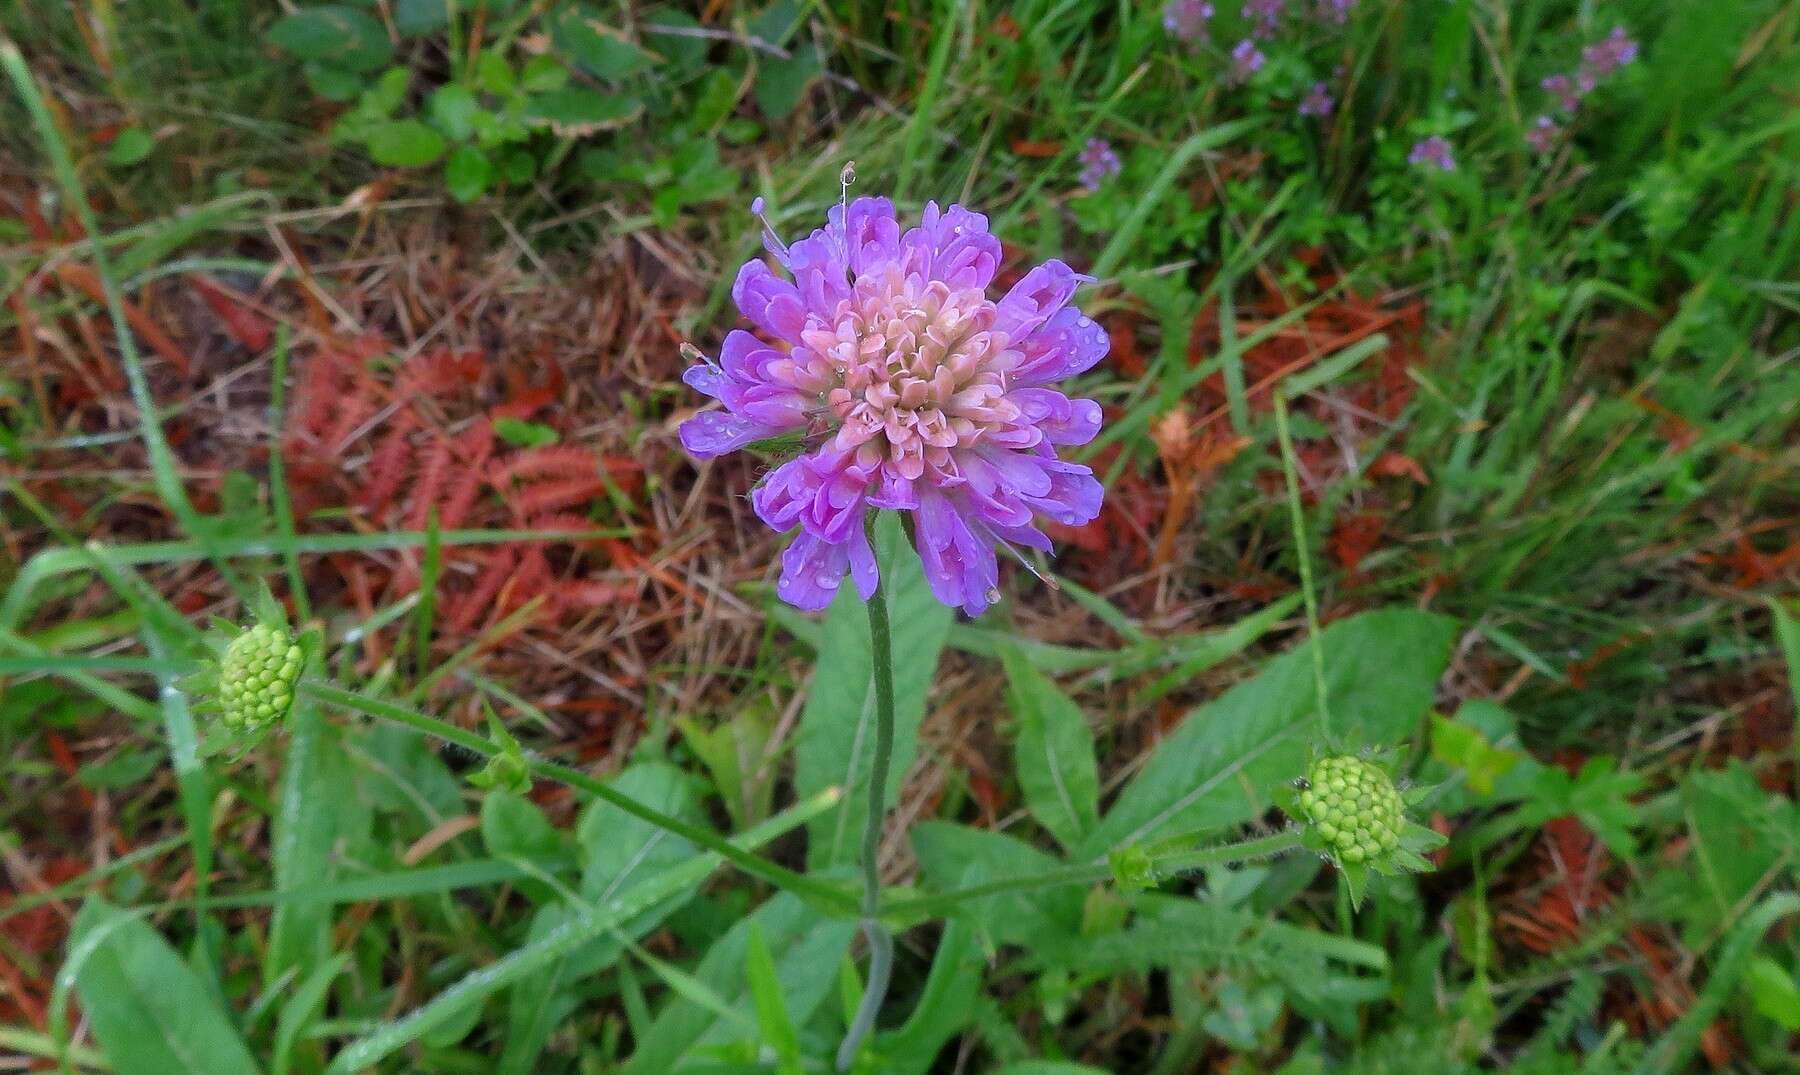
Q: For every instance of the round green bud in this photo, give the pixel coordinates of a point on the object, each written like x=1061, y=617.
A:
x=1354, y=807
x=257, y=677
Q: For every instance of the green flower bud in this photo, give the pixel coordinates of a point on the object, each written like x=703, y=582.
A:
x=257, y=677
x=1354, y=807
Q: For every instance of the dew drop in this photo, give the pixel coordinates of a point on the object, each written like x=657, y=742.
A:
x=826, y=580
x=993, y=595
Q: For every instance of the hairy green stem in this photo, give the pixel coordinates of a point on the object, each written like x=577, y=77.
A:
x=1298, y=517
x=1170, y=862
x=881, y=943
x=801, y=885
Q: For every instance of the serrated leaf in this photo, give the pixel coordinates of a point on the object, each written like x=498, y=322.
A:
x=148, y=1010
x=1216, y=769
x=405, y=143
x=837, y=728
x=1054, y=754
x=334, y=34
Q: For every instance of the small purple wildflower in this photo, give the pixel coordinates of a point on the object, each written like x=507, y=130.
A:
x=1608, y=55
x=1186, y=19
x=1543, y=134
x=915, y=391
x=1246, y=60
x=1568, y=95
x=1264, y=16
x=1434, y=151
x=1098, y=163
x=1317, y=102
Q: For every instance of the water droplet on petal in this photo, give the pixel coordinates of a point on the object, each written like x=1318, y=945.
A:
x=826, y=580
x=993, y=595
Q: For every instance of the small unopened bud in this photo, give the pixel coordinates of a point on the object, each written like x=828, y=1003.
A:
x=257, y=677
x=1354, y=807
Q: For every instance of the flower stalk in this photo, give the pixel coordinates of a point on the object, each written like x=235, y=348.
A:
x=881, y=942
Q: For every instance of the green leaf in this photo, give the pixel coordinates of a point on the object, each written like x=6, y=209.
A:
x=336, y=34
x=129, y=146
x=597, y=48
x=405, y=143
x=781, y=83
x=451, y=107
x=1216, y=769
x=1054, y=753
x=1773, y=991
x=415, y=18
x=805, y=950
x=944, y=1007
x=772, y=1017
x=148, y=1010
x=524, y=434
x=467, y=174
x=576, y=111
x=495, y=74
x=1463, y=747
x=956, y=856
x=332, y=83
x=1048, y=1067
x=318, y=813
x=837, y=728
x=302, y=1009
x=544, y=73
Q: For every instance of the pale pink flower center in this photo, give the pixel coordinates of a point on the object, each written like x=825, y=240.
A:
x=911, y=371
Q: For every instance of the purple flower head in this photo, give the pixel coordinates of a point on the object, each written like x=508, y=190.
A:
x=915, y=391
x=1543, y=134
x=1246, y=60
x=1098, y=163
x=1264, y=16
x=1603, y=58
x=1186, y=19
x=1433, y=151
x=1317, y=102
x=1567, y=91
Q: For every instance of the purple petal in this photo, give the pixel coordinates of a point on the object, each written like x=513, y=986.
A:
x=1074, y=497
x=811, y=572
x=953, y=246
x=1067, y=344
x=1044, y=290
x=960, y=568
x=771, y=303
x=706, y=380
x=863, y=569
x=713, y=433
x=1062, y=420
x=872, y=235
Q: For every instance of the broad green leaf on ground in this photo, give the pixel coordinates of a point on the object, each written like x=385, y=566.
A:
x=837, y=728
x=576, y=111
x=319, y=814
x=404, y=143
x=1740, y=833
x=955, y=856
x=1048, y=1067
x=1218, y=767
x=335, y=34
x=806, y=950
x=148, y=1010
x=408, y=776
x=1053, y=753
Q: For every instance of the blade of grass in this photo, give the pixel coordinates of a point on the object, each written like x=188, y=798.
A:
x=928, y=94
x=1151, y=197
x=162, y=460
x=53, y=562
